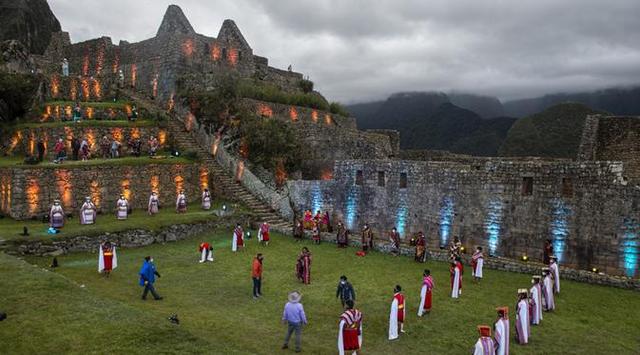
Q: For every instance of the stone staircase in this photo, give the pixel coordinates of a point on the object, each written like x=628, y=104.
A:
x=234, y=189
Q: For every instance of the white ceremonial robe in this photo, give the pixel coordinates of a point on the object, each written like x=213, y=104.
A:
x=206, y=201
x=477, y=271
x=340, y=341
x=423, y=298
x=555, y=272
x=393, y=320
x=549, y=300
x=114, y=261
x=536, y=296
x=206, y=255
x=523, y=322
x=234, y=243
x=455, y=288
x=502, y=337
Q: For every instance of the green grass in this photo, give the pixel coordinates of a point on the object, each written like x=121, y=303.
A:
x=218, y=314
x=11, y=229
x=90, y=123
x=18, y=161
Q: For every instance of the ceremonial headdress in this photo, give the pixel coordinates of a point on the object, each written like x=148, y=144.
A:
x=484, y=330
x=503, y=312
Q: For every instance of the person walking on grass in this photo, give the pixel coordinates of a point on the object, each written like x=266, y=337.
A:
x=256, y=275
x=293, y=316
x=148, y=275
x=345, y=291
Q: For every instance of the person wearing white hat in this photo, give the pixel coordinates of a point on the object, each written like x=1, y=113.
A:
x=293, y=316
x=536, y=300
x=88, y=212
x=547, y=290
x=122, y=208
x=555, y=273
x=523, y=330
x=181, y=202
x=56, y=215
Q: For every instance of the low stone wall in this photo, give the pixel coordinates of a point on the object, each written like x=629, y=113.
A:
x=498, y=263
x=29, y=192
x=297, y=114
x=24, y=140
x=127, y=239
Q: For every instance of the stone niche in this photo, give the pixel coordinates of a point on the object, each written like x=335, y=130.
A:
x=509, y=207
x=29, y=192
x=23, y=141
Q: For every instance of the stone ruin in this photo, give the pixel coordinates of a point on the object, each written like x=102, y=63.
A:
x=589, y=207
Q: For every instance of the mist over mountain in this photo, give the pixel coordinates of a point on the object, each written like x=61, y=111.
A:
x=618, y=101
x=429, y=120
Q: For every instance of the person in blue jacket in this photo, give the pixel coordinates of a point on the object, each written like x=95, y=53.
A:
x=148, y=275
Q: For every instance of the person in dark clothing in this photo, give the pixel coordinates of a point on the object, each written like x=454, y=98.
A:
x=345, y=291
x=75, y=148
x=148, y=275
x=41, y=149
x=548, y=251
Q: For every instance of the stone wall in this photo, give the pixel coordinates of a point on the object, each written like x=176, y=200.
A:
x=509, y=207
x=23, y=141
x=126, y=239
x=618, y=138
x=29, y=192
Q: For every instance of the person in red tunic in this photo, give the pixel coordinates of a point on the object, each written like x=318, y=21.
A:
x=238, y=238
x=315, y=234
x=303, y=266
x=108, y=259
x=206, y=252
x=350, y=330
x=426, y=293
x=263, y=233
x=396, y=316
x=421, y=248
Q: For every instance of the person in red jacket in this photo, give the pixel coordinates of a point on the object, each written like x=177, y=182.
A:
x=256, y=274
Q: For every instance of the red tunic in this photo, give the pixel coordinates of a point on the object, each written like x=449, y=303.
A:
x=351, y=329
x=239, y=235
x=107, y=258
x=204, y=246
x=400, y=298
x=265, y=232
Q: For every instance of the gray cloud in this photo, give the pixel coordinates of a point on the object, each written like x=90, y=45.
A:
x=359, y=50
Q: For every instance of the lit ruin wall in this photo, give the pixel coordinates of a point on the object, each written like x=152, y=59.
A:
x=508, y=207
x=29, y=192
x=23, y=141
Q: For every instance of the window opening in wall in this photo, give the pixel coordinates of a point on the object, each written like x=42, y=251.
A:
x=359, y=177
x=527, y=186
x=381, y=181
x=567, y=187
x=403, y=180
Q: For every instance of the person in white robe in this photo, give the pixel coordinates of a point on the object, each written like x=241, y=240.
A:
x=238, y=238
x=523, y=330
x=107, y=258
x=547, y=290
x=56, y=215
x=555, y=273
x=426, y=293
x=154, y=204
x=485, y=344
x=88, y=212
x=536, y=300
x=181, y=203
x=350, y=330
x=477, y=262
x=397, y=313
x=455, y=279
x=206, y=199
x=501, y=331
x=122, y=208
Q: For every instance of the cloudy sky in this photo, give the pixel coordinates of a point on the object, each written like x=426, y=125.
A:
x=358, y=50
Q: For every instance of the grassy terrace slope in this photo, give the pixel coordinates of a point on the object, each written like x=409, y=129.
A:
x=18, y=161
x=11, y=229
x=218, y=314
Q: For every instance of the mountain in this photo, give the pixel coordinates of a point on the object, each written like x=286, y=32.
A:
x=429, y=120
x=485, y=106
x=28, y=21
x=554, y=132
x=618, y=101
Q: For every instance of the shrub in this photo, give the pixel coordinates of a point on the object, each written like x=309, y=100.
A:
x=271, y=93
x=306, y=85
x=338, y=109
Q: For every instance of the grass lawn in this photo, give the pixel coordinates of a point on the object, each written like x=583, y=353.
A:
x=49, y=312
x=18, y=161
x=11, y=229
x=103, y=104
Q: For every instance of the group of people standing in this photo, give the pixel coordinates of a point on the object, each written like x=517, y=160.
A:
x=89, y=211
x=81, y=148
